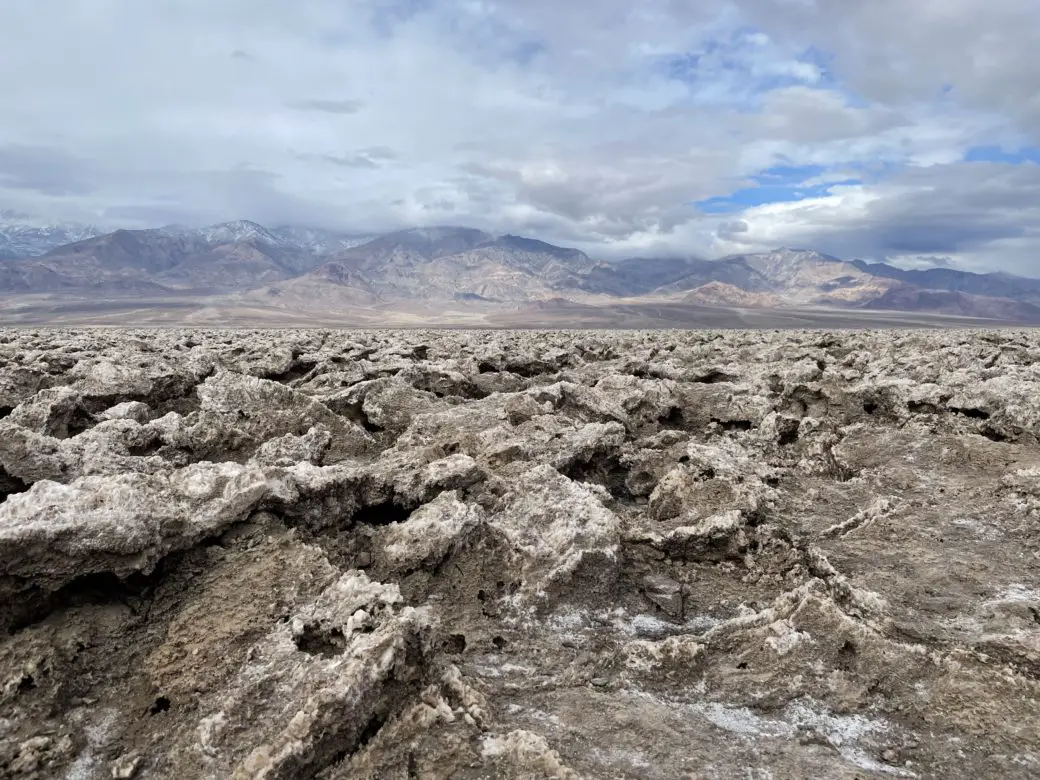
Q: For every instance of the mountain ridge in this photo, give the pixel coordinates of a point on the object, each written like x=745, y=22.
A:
x=23, y=236
x=301, y=268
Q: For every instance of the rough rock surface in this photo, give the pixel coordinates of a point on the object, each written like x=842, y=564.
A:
x=282, y=554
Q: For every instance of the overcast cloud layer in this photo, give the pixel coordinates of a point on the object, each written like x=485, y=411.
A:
x=883, y=129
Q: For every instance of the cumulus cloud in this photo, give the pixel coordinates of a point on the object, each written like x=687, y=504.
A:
x=601, y=125
x=977, y=215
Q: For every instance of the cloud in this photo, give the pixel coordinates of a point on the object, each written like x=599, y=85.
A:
x=358, y=160
x=43, y=170
x=967, y=212
x=327, y=106
x=882, y=129
x=732, y=230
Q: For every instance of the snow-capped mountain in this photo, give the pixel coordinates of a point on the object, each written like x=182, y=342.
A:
x=24, y=236
x=320, y=242
x=312, y=240
x=226, y=233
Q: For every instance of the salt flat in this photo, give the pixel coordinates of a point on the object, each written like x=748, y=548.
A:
x=639, y=554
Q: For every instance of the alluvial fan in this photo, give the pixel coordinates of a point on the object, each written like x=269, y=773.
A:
x=331, y=554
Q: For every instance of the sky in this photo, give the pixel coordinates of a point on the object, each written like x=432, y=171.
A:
x=884, y=130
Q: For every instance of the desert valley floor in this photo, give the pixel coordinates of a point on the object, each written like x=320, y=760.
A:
x=502, y=554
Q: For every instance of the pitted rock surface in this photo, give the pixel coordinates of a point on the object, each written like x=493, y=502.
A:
x=283, y=554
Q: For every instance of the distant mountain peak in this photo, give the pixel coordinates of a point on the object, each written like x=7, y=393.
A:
x=795, y=255
x=440, y=232
x=239, y=230
x=22, y=235
x=233, y=232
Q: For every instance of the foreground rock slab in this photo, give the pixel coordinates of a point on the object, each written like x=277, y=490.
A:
x=378, y=554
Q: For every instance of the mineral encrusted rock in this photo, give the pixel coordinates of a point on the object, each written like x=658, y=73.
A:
x=283, y=554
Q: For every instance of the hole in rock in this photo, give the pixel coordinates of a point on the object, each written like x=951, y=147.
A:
x=486, y=368
x=870, y=407
x=80, y=421
x=10, y=485
x=994, y=435
x=372, y=728
x=173, y=396
x=370, y=426
x=713, y=377
x=602, y=469
x=974, y=414
x=27, y=683
x=847, y=655
x=672, y=420
x=162, y=704
x=528, y=370
x=298, y=370
x=98, y=588
x=326, y=643
x=382, y=514
x=742, y=665
x=5, y=410
x=455, y=644
x=787, y=431
x=144, y=450
x=499, y=642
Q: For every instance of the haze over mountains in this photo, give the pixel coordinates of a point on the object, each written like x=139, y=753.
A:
x=23, y=236
x=306, y=271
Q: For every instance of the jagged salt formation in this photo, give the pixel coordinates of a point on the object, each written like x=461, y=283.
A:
x=280, y=554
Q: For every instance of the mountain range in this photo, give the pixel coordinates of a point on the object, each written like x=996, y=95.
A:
x=23, y=236
x=300, y=270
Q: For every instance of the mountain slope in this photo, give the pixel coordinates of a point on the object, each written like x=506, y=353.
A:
x=802, y=277
x=23, y=236
x=996, y=285
x=790, y=277
x=639, y=276
x=450, y=263
x=233, y=256
x=906, y=298
x=320, y=243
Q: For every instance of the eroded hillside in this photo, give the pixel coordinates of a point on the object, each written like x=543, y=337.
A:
x=281, y=554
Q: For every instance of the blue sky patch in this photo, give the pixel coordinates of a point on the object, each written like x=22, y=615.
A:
x=767, y=193
x=997, y=154
x=822, y=60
